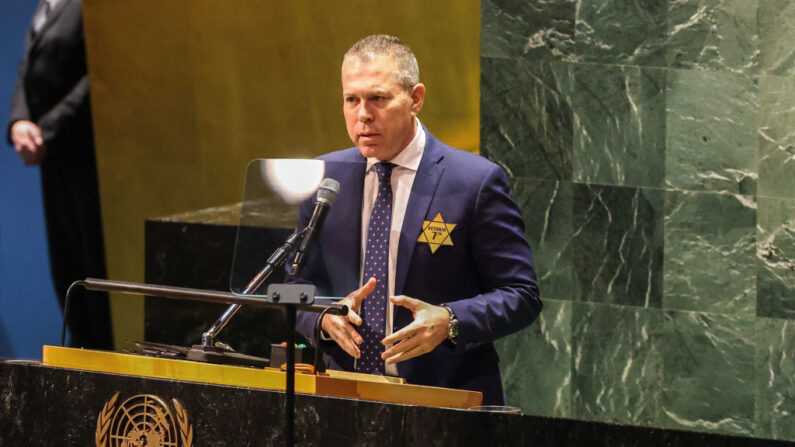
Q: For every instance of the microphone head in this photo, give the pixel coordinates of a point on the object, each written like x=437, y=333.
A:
x=327, y=191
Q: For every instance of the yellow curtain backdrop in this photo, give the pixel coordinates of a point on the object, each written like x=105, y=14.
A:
x=186, y=92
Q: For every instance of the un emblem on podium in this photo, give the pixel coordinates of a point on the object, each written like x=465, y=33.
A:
x=143, y=420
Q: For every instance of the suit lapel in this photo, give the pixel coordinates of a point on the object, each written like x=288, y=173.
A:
x=427, y=179
x=51, y=17
x=34, y=37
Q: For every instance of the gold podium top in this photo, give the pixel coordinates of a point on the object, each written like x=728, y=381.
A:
x=336, y=383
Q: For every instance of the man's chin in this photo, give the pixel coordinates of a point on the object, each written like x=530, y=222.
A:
x=371, y=151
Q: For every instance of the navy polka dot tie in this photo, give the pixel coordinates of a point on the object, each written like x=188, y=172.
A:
x=376, y=265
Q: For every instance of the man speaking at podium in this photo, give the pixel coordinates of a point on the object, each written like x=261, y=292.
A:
x=427, y=237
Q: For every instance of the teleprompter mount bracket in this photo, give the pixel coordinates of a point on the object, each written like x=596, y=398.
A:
x=299, y=294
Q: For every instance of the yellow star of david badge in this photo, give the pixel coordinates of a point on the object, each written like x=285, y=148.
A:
x=436, y=232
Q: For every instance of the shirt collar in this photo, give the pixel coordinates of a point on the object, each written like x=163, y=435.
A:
x=409, y=157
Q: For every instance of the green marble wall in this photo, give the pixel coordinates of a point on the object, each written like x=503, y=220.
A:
x=651, y=144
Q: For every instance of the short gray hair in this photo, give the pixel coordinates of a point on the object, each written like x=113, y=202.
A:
x=407, y=71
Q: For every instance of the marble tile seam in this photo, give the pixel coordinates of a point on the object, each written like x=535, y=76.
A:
x=652, y=188
x=748, y=73
x=671, y=67
x=743, y=315
x=786, y=198
x=774, y=319
x=573, y=62
x=756, y=196
x=576, y=301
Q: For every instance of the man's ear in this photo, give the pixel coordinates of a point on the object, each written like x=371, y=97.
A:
x=417, y=98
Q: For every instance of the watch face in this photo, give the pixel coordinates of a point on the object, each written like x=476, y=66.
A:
x=452, y=329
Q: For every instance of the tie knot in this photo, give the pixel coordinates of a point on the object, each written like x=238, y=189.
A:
x=384, y=170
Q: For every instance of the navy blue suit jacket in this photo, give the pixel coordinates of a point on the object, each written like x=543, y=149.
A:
x=487, y=276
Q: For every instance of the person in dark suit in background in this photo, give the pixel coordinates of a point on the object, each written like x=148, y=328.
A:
x=50, y=126
x=427, y=235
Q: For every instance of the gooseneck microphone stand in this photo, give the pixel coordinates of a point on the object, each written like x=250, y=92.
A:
x=207, y=350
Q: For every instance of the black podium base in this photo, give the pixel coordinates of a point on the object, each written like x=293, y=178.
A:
x=55, y=406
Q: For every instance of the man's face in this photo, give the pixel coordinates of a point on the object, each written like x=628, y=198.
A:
x=379, y=113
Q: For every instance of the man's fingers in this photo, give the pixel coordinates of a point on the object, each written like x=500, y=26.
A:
x=34, y=133
x=348, y=346
x=402, y=334
x=340, y=330
x=421, y=336
x=412, y=352
x=353, y=310
x=24, y=143
x=359, y=294
x=404, y=345
x=354, y=317
x=405, y=301
x=354, y=335
x=354, y=299
x=27, y=154
x=29, y=145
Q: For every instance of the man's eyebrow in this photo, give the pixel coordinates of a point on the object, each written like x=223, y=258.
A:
x=374, y=92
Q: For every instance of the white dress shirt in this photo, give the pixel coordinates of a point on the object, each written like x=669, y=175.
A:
x=402, y=179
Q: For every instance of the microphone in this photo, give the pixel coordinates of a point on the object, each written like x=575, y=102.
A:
x=326, y=195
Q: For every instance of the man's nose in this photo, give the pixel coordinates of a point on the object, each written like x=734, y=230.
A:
x=365, y=115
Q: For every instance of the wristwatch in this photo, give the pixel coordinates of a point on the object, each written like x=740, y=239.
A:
x=452, y=325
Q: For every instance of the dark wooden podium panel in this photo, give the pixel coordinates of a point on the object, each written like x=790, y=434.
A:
x=49, y=406
x=46, y=405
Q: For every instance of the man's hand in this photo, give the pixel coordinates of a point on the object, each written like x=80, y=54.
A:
x=28, y=142
x=341, y=329
x=426, y=332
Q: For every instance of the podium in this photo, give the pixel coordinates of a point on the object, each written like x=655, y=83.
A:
x=333, y=383
x=45, y=405
x=84, y=398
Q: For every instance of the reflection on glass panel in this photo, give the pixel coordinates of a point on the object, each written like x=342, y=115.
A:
x=269, y=214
